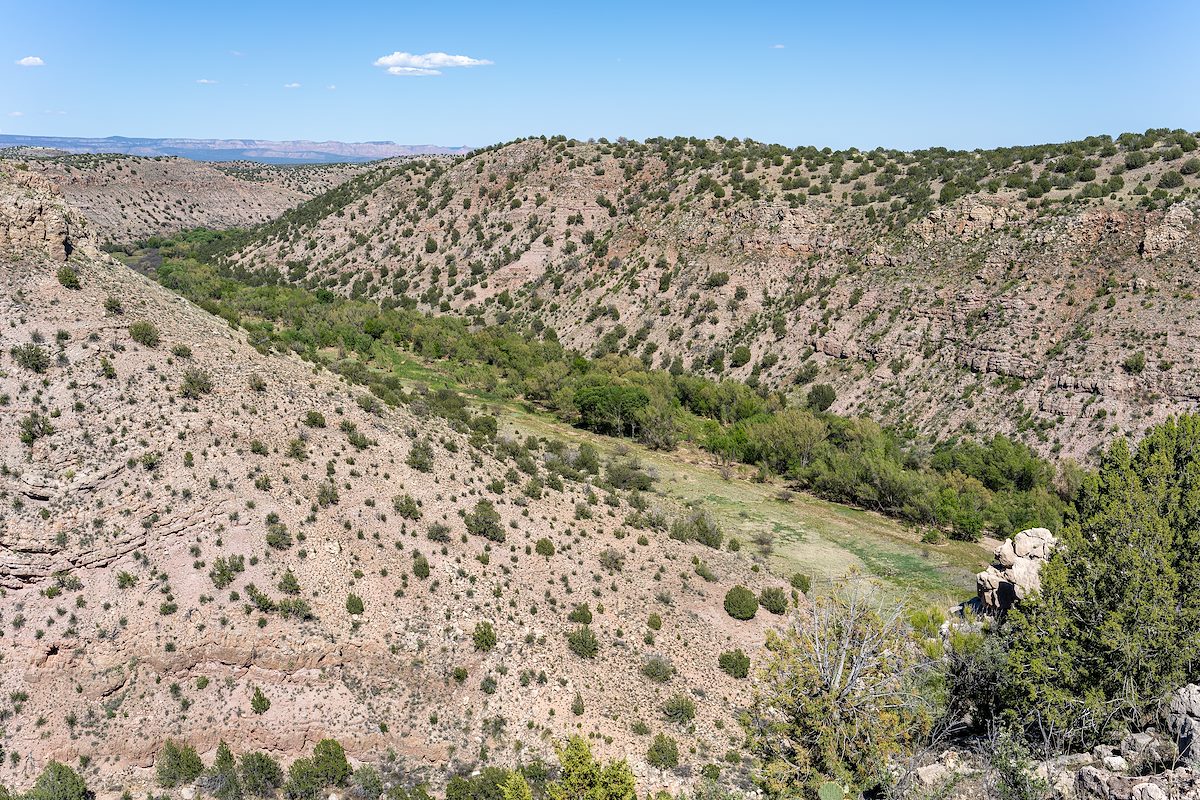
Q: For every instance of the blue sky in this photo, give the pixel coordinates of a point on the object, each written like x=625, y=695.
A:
x=839, y=74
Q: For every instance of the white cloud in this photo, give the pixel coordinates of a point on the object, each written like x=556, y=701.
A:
x=206, y=81
x=778, y=46
x=416, y=64
x=331, y=87
x=412, y=71
x=16, y=113
x=30, y=61
x=291, y=86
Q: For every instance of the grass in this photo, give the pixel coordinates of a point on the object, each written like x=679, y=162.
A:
x=825, y=540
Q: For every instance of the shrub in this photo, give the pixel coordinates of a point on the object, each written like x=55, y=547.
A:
x=31, y=357
x=261, y=775
x=288, y=583
x=1135, y=363
x=1170, y=180
x=581, y=614
x=314, y=419
x=735, y=663
x=1190, y=167
x=699, y=526
x=144, y=333
x=663, y=752
x=820, y=397
x=354, y=604
x=68, y=277
x=177, y=765
x=34, y=427
x=196, y=382
x=420, y=457
x=484, y=636
x=773, y=599
x=583, y=642
x=406, y=506
x=485, y=521
x=740, y=603
x=801, y=582
x=544, y=547
x=679, y=709
x=658, y=669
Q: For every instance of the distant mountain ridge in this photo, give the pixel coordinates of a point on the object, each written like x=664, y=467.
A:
x=262, y=150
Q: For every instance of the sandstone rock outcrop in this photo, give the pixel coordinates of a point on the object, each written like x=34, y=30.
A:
x=34, y=219
x=1017, y=571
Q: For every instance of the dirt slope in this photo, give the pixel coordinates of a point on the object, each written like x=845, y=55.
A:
x=135, y=520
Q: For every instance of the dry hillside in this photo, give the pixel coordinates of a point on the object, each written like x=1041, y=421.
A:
x=129, y=198
x=1047, y=292
x=184, y=521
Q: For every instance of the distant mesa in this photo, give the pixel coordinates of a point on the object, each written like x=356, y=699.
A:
x=262, y=150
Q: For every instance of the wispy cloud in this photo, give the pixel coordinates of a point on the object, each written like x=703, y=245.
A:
x=30, y=61
x=419, y=64
x=16, y=113
x=778, y=46
x=331, y=87
x=291, y=86
x=205, y=81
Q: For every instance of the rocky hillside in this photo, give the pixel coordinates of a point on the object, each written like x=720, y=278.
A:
x=201, y=542
x=129, y=198
x=1047, y=292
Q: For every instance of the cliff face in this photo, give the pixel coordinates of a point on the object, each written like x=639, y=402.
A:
x=184, y=521
x=1061, y=321
x=33, y=218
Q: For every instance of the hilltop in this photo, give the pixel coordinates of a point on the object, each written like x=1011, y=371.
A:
x=1046, y=292
x=202, y=542
x=130, y=198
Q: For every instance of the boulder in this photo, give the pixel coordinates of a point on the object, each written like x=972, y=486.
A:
x=1183, y=721
x=1016, y=572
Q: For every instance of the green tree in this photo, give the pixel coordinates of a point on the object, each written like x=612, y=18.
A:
x=329, y=759
x=1116, y=624
x=221, y=780
x=515, y=787
x=261, y=775
x=581, y=777
x=177, y=764
x=820, y=397
x=259, y=702
x=59, y=782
